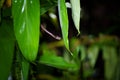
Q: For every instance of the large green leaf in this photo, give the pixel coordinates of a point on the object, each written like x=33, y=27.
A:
x=45, y=5
x=26, y=17
x=75, y=5
x=6, y=48
x=63, y=21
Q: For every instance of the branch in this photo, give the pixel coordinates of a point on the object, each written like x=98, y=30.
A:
x=54, y=36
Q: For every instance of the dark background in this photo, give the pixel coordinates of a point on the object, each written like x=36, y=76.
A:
x=100, y=16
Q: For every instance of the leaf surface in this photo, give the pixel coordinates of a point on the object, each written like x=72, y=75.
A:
x=7, y=40
x=26, y=17
x=63, y=21
x=75, y=5
x=55, y=61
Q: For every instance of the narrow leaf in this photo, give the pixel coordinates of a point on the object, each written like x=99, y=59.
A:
x=93, y=51
x=25, y=69
x=63, y=21
x=26, y=17
x=6, y=49
x=50, y=59
x=110, y=58
x=75, y=5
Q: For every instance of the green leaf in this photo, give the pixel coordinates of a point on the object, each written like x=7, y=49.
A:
x=79, y=54
x=55, y=61
x=93, y=51
x=25, y=69
x=63, y=21
x=6, y=48
x=45, y=5
x=110, y=58
x=80, y=49
x=83, y=52
x=75, y=4
x=26, y=17
x=117, y=71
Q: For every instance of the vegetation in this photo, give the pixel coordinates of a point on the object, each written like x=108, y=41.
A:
x=31, y=46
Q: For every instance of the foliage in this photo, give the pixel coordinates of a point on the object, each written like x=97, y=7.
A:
x=75, y=5
x=6, y=48
x=26, y=26
x=21, y=48
x=63, y=21
x=46, y=5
